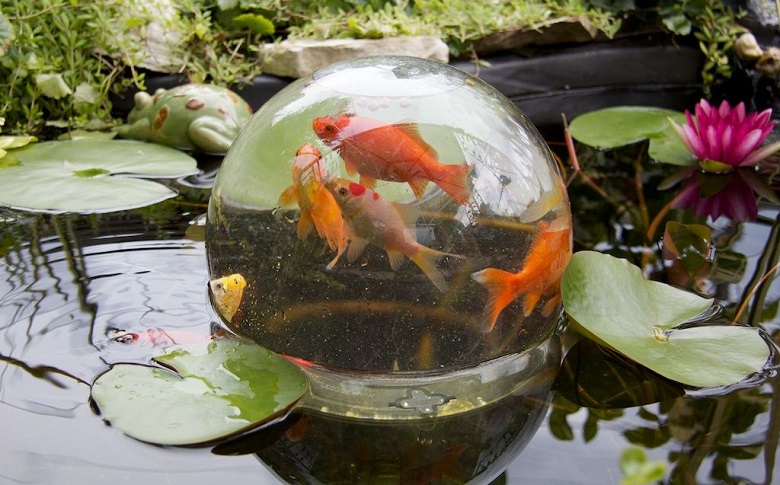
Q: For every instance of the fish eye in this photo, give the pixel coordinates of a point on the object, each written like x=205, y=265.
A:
x=218, y=286
x=330, y=128
x=343, y=191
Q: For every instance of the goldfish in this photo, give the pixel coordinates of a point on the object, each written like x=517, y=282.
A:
x=542, y=270
x=372, y=219
x=227, y=293
x=318, y=208
x=393, y=152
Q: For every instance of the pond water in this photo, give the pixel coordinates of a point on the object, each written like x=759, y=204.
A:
x=79, y=293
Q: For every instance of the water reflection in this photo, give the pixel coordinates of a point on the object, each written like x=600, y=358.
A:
x=470, y=447
x=78, y=293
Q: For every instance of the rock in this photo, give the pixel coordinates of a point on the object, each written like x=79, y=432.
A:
x=297, y=58
x=769, y=63
x=747, y=48
x=560, y=31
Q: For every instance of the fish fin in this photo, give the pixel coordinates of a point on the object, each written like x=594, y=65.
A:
x=356, y=247
x=418, y=186
x=288, y=196
x=412, y=130
x=501, y=292
x=530, y=301
x=551, y=304
x=408, y=213
x=396, y=259
x=351, y=168
x=325, y=221
x=455, y=182
x=305, y=225
x=342, y=246
x=426, y=259
x=539, y=208
x=367, y=182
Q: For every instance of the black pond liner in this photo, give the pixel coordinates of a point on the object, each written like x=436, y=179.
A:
x=570, y=80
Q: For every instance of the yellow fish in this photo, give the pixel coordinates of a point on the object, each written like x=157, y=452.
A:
x=226, y=294
x=318, y=208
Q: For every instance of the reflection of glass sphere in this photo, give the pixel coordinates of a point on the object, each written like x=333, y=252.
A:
x=472, y=447
x=433, y=191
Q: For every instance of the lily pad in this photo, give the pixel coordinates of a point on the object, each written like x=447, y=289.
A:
x=81, y=175
x=216, y=389
x=610, y=300
x=624, y=125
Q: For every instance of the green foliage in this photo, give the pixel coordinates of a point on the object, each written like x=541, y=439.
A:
x=51, y=66
x=637, y=469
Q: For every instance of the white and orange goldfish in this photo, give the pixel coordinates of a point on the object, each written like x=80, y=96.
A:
x=318, y=208
x=372, y=219
x=393, y=152
x=227, y=293
x=542, y=269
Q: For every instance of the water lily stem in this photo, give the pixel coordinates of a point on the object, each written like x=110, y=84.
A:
x=753, y=291
x=576, y=170
x=640, y=193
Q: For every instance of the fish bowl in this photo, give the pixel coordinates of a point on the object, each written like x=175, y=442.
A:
x=397, y=228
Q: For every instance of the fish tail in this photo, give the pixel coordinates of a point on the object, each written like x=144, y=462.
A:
x=426, y=258
x=501, y=292
x=455, y=182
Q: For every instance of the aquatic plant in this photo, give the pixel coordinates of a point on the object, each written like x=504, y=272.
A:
x=210, y=390
x=726, y=142
x=88, y=175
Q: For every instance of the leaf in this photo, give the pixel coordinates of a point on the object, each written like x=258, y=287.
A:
x=86, y=94
x=50, y=175
x=216, y=389
x=254, y=22
x=638, y=470
x=52, y=85
x=624, y=125
x=6, y=35
x=610, y=300
x=687, y=252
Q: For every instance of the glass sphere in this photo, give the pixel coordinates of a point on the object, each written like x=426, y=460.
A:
x=389, y=214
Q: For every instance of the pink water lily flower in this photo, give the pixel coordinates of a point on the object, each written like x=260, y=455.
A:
x=726, y=137
x=727, y=143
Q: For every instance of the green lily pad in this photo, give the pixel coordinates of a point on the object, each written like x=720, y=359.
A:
x=80, y=175
x=9, y=142
x=624, y=125
x=610, y=300
x=217, y=389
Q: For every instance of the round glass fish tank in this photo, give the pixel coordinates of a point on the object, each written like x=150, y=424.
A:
x=390, y=222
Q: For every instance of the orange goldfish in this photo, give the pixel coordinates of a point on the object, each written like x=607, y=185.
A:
x=318, y=208
x=227, y=293
x=542, y=271
x=390, y=152
x=374, y=220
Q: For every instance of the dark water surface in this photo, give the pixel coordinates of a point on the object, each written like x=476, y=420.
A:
x=79, y=293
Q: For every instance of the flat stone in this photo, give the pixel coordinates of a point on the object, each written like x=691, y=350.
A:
x=297, y=58
x=560, y=31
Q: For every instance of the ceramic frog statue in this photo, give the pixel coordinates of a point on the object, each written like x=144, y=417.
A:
x=199, y=117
